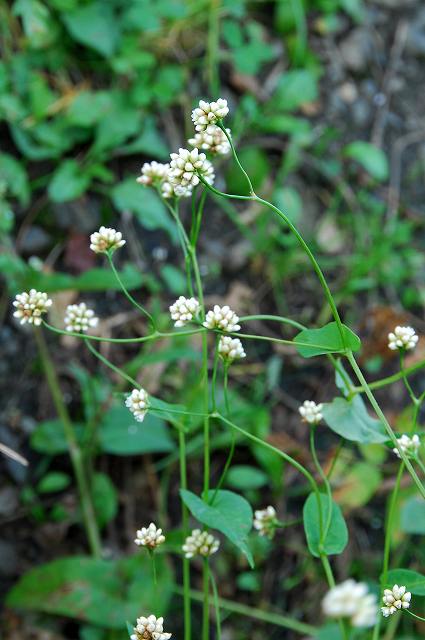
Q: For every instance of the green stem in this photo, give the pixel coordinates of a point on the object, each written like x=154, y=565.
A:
x=152, y=336
x=216, y=606
x=213, y=46
x=206, y=603
x=406, y=381
x=385, y=422
x=331, y=582
x=185, y=527
x=378, y=384
x=269, y=617
x=127, y=293
x=89, y=516
x=110, y=365
x=236, y=159
x=325, y=482
x=233, y=442
x=282, y=319
x=414, y=615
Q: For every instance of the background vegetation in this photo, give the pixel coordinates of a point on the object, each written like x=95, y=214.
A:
x=325, y=107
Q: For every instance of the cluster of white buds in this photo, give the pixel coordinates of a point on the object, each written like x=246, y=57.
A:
x=184, y=310
x=351, y=600
x=138, y=403
x=30, y=306
x=265, y=521
x=200, y=543
x=402, y=338
x=106, y=239
x=208, y=113
x=311, y=412
x=150, y=628
x=222, y=318
x=212, y=139
x=230, y=348
x=150, y=537
x=186, y=167
x=79, y=318
x=408, y=445
x=395, y=599
x=153, y=173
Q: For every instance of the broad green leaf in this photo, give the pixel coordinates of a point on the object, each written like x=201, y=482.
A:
x=53, y=481
x=294, y=89
x=352, y=421
x=88, y=108
x=120, y=434
x=94, y=25
x=91, y=280
x=49, y=437
x=412, y=580
x=39, y=26
x=100, y=592
x=337, y=536
x=327, y=339
x=257, y=166
x=330, y=631
x=69, y=182
x=105, y=498
x=144, y=203
x=371, y=158
x=413, y=516
x=14, y=175
x=230, y=513
x=245, y=477
x=289, y=200
x=358, y=485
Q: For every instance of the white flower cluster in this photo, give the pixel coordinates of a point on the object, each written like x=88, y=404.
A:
x=186, y=167
x=351, y=600
x=230, y=348
x=138, y=403
x=184, y=310
x=200, y=542
x=150, y=628
x=79, y=318
x=395, y=599
x=402, y=338
x=207, y=113
x=153, y=173
x=222, y=318
x=106, y=239
x=409, y=445
x=311, y=412
x=265, y=521
x=213, y=139
x=30, y=306
x=150, y=537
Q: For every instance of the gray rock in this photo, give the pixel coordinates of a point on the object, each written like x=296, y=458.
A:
x=356, y=49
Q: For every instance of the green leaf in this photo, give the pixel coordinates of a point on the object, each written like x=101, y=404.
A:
x=91, y=280
x=245, y=477
x=94, y=25
x=39, y=27
x=144, y=203
x=327, y=339
x=371, y=158
x=14, y=175
x=330, y=631
x=53, y=481
x=413, y=516
x=99, y=592
x=294, y=89
x=412, y=580
x=352, y=421
x=105, y=498
x=337, y=536
x=257, y=166
x=231, y=514
x=49, y=437
x=88, y=108
x=69, y=182
x=120, y=434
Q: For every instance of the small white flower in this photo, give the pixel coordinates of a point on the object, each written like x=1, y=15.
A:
x=265, y=521
x=213, y=139
x=402, y=338
x=200, y=542
x=186, y=167
x=106, y=239
x=395, y=599
x=79, y=318
x=30, y=306
x=184, y=310
x=222, y=318
x=311, y=412
x=150, y=628
x=230, y=348
x=153, y=173
x=150, y=536
x=138, y=403
x=409, y=445
x=208, y=113
x=182, y=192
x=351, y=600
